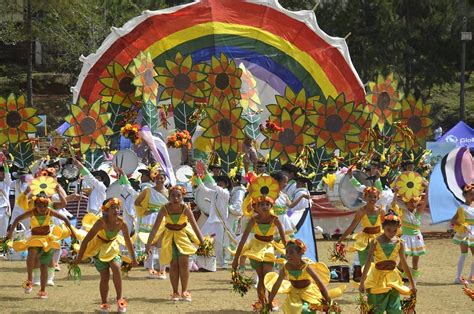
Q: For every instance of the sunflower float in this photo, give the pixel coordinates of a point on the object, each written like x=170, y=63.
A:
x=43, y=184
x=296, y=133
x=223, y=123
x=335, y=123
x=88, y=125
x=183, y=81
x=409, y=184
x=144, y=80
x=292, y=100
x=16, y=120
x=383, y=100
x=264, y=186
x=224, y=77
x=416, y=115
x=118, y=87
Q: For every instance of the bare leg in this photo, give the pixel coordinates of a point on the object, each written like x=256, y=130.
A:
x=174, y=274
x=267, y=267
x=44, y=276
x=104, y=284
x=30, y=262
x=184, y=272
x=415, y=260
x=117, y=278
x=260, y=287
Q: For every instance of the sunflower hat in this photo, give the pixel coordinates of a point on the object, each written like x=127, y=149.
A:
x=263, y=187
x=43, y=184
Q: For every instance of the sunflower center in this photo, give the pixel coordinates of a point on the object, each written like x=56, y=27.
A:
x=410, y=185
x=415, y=124
x=126, y=86
x=225, y=127
x=43, y=186
x=88, y=125
x=14, y=119
x=222, y=81
x=287, y=137
x=264, y=190
x=383, y=101
x=182, y=81
x=149, y=80
x=334, y=123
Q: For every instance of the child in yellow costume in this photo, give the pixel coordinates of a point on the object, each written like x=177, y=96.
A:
x=463, y=222
x=370, y=218
x=101, y=243
x=261, y=249
x=382, y=279
x=176, y=236
x=42, y=241
x=306, y=281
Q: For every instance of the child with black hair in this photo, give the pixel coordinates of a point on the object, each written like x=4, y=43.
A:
x=306, y=281
x=463, y=222
x=381, y=278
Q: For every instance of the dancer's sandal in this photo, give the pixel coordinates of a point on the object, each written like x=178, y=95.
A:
x=186, y=296
x=175, y=297
x=104, y=308
x=43, y=295
x=28, y=286
x=122, y=305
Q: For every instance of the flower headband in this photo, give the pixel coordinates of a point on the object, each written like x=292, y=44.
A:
x=41, y=199
x=156, y=172
x=110, y=202
x=299, y=244
x=468, y=187
x=391, y=216
x=180, y=188
x=371, y=190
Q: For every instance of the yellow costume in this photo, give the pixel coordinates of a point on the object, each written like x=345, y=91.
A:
x=45, y=242
x=294, y=302
x=262, y=251
x=382, y=281
x=175, y=242
x=371, y=228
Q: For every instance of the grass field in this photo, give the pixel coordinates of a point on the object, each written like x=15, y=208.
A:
x=212, y=291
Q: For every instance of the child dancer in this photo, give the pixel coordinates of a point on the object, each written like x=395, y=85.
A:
x=261, y=249
x=175, y=235
x=304, y=286
x=463, y=222
x=370, y=216
x=381, y=279
x=102, y=244
x=42, y=242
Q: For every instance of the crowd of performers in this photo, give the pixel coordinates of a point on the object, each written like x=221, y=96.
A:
x=155, y=219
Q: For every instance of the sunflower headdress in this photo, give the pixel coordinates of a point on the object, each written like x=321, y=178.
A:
x=43, y=184
x=409, y=184
x=299, y=244
x=264, y=186
x=155, y=171
x=109, y=203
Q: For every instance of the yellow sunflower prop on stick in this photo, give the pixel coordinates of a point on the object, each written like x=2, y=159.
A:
x=43, y=184
x=409, y=185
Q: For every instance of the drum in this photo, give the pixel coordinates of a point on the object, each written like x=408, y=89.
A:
x=184, y=174
x=127, y=160
x=332, y=193
x=70, y=172
x=339, y=273
x=116, y=190
x=107, y=167
x=350, y=197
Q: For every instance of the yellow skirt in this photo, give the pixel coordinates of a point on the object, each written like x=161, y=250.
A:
x=262, y=251
x=295, y=297
x=106, y=251
x=362, y=240
x=382, y=281
x=181, y=238
x=46, y=242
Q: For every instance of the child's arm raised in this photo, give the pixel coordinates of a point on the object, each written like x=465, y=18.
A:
x=405, y=267
x=250, y=225
x=319, y=283
x=276, y=286
x=370, y=254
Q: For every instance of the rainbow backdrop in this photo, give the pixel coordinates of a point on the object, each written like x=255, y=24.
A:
x=280, y=47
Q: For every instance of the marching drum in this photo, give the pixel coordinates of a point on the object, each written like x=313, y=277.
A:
x=109, y=169
x=70, y=172
x=349, y=196
x=184, y=174
x=127, y=160
x=116, y=190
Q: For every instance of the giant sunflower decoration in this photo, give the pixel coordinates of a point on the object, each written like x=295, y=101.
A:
x=383, y=100
x=335, y=123
x=16, y=120
x=410, y=185
x=224, y=77
x=224, y=124
x=182, y=80
x=291, y=101
x=43, y=184
x=415, y=114
x=144, y=72
x=118, y=87
x=88, y=125
x=264, y=186
x=363, y=123
x=288, y=143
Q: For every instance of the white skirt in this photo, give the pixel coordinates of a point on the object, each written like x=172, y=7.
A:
x=465, y=237
x=414, y=245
